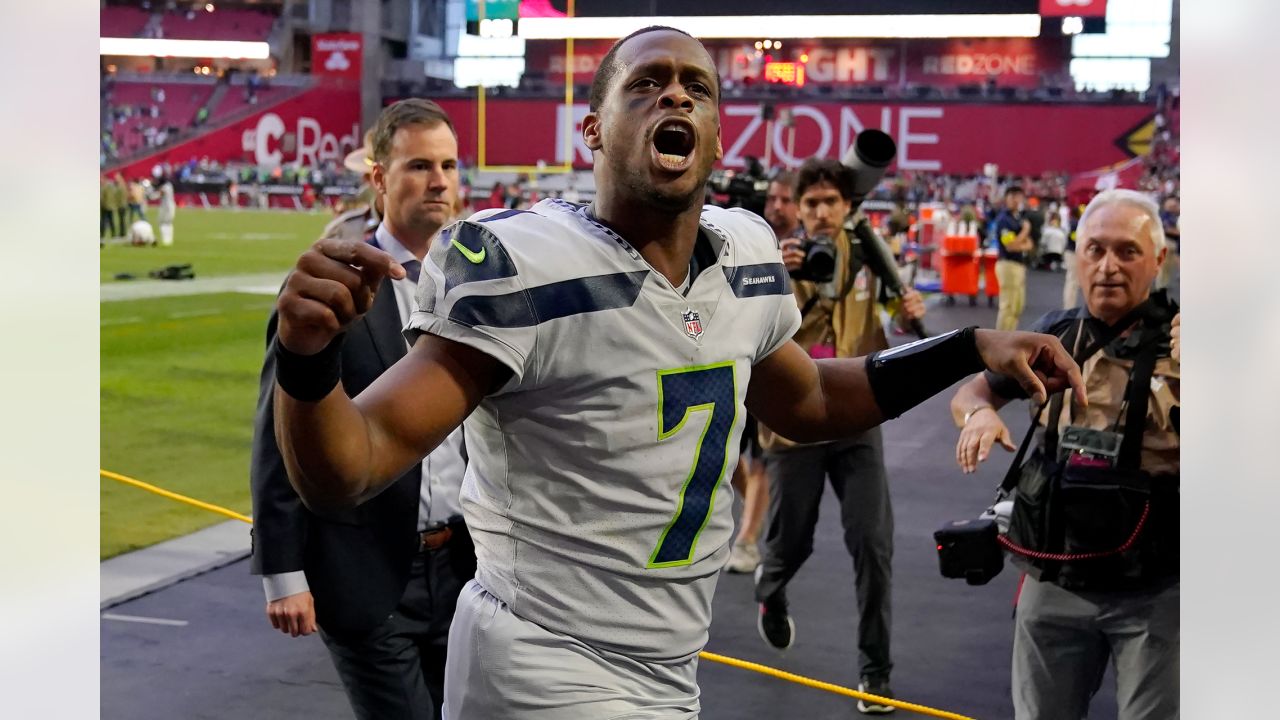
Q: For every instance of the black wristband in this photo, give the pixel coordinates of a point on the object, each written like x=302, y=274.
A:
x=309, y=378
x=907, y=375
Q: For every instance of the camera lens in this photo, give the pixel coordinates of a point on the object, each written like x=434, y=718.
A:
x=820, y=262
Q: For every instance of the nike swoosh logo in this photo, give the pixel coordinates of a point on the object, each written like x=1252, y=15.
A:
x=475, y=257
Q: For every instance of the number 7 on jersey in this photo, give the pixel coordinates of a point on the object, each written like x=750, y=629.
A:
x=681, y=393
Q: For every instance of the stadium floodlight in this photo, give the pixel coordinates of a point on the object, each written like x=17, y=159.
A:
x=789, y=26
x=153, y=47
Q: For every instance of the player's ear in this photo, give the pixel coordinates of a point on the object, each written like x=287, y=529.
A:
x=378, y=176
x=591, y=131
x=719, y=146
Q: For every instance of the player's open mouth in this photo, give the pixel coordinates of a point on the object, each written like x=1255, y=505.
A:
x=673, y=144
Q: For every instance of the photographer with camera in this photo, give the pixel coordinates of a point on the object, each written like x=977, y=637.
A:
x=838, y=296
x=1094, y=521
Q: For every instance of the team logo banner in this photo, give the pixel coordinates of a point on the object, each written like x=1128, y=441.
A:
x=336, y=55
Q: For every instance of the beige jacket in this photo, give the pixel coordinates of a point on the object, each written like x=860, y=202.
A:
x=851, y=323
x=1105, y=380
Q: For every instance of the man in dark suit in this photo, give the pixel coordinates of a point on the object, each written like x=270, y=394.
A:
x=381, y=581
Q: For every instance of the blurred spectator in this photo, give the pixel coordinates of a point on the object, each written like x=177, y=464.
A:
x=137, y=198
x=498, y=197
x=108, y=201
x=1170, y=211
x=121, y=197
x=1011, y=236
x=1053, y=241
x=168, y=209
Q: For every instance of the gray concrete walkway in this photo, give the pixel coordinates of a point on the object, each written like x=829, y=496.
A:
x=141, y=289
x=125, y=577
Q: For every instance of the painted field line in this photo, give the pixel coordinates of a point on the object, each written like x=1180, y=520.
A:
x=119, y=321
x=251, y=236
x=144, y=620
x=271, y=290
x=193, y=313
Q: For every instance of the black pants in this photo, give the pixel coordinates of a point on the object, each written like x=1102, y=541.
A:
x=397, y=671
x=107, y=225
x=855, y=469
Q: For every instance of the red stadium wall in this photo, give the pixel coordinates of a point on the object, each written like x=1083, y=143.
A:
x=950, y=138
x=320, y=124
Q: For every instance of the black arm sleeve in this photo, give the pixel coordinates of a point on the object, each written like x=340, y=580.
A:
x=905, y=376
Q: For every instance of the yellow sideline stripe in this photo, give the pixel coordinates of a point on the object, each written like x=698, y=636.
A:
x=829, y=687
x=175, y=496
x=713, y=657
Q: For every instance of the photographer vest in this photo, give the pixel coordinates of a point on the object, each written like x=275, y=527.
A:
x=1085, y=523
x=1105, y=378
x=848, y=322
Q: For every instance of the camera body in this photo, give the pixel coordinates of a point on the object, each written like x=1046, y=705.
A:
x=747, y=189
x=970, y=549
x=819, y=260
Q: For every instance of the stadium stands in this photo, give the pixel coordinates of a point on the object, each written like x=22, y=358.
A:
x=123, y=21
x=222, y=24
x=236, y=99
x=130, y=105
x=228, y=24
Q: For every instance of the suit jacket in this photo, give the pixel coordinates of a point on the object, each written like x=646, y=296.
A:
x=357, y=563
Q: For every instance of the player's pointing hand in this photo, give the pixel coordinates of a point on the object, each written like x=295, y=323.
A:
x=1038, y=362
x=332, y=285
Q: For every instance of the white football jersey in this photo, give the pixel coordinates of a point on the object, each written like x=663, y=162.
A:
x=596, y=488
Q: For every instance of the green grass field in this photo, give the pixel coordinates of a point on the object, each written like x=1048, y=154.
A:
x=220, y=242
x=179, y=375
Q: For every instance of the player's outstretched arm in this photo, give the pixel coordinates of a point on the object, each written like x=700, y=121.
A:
x=807, y=400
x=339, y=451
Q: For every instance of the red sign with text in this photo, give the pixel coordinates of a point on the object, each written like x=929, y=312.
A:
x=1011, y=62
x=949, y=138
x=320, y=125
x=1076, y=8
x=336, y=55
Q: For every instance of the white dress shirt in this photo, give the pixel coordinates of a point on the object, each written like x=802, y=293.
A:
x=442, y=470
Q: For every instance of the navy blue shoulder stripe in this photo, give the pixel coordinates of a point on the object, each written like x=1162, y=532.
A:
x=501, y=216
x=527, y=308
x=757, y=280
x=474, y=254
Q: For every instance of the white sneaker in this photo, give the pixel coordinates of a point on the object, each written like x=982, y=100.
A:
x=743, y=558
x=875, y=687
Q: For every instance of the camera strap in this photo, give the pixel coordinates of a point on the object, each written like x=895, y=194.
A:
x=1014, y=473
x=1137, y=396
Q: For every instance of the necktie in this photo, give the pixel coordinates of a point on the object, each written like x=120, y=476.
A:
x=412, y=269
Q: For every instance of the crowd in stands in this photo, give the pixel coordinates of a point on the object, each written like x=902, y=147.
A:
x=181, y=21
x=1161, y=164
x=139, y=116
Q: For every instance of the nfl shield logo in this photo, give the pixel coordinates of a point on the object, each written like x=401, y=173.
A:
x=692, y=324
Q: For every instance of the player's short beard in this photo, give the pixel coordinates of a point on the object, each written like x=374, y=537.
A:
x=638, y=185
